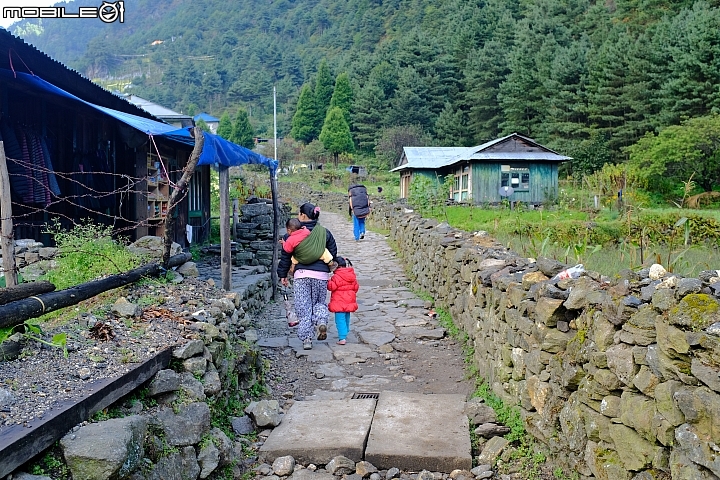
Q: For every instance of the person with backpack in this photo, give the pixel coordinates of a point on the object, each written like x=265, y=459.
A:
x=359, y=209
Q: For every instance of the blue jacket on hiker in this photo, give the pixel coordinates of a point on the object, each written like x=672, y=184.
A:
x=318, y=266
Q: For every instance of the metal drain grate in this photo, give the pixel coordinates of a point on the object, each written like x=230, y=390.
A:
x=358, y=395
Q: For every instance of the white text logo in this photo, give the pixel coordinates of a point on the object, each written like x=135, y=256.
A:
x=108, y=12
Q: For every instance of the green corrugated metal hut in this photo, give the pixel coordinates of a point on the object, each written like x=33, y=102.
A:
x=526, y=168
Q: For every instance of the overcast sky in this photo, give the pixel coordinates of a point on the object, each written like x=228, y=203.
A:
x=5, y=22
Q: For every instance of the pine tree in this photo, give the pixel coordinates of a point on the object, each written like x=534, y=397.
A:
x=335, y=135
x=606, y=87
x=450, y=127
x=485, y=72
x=323, y=91
x=225, y=127
x=692, y=43
x=409, y=106
x=304, y=120
x=202, y=125
x=342, y=95
x=243, y=133
x=566, y=102
x=368, y=110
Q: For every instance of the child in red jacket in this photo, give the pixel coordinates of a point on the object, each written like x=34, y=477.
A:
x=343, y=298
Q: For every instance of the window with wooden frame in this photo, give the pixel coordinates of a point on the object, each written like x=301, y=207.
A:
x=517, y=177
x=461, y=184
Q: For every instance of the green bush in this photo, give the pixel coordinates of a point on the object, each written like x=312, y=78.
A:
x=87, y=252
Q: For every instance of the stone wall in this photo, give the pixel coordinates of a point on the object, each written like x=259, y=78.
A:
x=617, y=378
x=166, y=428
x=32, y=258
x=255, y=234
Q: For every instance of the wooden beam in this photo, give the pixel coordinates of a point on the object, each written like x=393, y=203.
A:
x=20, y=443
x=225, y=259
x=7, y=239
x=236, y=219
x=276, y=232
x=178, y=190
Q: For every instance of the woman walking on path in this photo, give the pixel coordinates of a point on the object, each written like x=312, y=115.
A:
x=310, y=280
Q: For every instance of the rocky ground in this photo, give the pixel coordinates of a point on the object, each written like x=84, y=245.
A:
x=103, y=344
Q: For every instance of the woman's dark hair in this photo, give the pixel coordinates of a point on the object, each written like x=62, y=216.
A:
x=312, y=212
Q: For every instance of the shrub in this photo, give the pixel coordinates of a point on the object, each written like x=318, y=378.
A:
x=87, y=252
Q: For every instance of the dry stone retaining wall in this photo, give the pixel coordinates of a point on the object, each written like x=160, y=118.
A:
x=618, y=378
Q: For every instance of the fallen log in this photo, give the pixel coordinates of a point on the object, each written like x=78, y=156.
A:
x=17, y=312
x=24, y=290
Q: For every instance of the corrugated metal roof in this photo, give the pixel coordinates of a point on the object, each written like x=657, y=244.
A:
x=438, y=157
x=428, y=157
x=155, y=109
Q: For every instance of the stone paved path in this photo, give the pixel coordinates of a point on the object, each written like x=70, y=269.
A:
x=393, y=345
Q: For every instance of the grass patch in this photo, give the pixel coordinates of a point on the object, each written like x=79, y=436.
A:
x=87, y=252
x=507, y=415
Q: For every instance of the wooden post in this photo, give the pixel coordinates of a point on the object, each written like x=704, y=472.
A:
x=236, y=220
x=225, y=260
x=178, y=190
x=276, y=221
x=7, y=239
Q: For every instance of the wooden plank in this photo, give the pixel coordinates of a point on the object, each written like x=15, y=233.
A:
x=20, y=443
x=225, y=260
x=276, y=232
x=236, y=219
x=7, y=239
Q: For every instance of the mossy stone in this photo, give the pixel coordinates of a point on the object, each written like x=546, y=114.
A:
x=697, y=311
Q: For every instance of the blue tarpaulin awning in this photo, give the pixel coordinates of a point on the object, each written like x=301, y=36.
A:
x=216, y=150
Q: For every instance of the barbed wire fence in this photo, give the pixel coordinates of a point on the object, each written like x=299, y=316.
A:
x=79, y=205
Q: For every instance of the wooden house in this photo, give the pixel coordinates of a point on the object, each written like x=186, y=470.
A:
x=527, y=170
x=93, y=158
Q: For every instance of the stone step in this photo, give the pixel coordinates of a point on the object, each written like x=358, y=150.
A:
x=412, y=431
x=409, y=431
x=316, y=432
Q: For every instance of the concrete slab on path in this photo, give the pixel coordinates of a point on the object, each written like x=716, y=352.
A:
x=413, y=431
x=316, y=432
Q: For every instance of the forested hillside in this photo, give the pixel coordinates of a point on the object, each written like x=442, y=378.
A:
x=586, y=78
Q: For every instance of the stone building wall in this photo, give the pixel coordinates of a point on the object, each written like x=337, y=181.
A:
x=617, y=378
x=255, y=234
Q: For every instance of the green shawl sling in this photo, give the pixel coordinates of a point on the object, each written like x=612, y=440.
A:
x=311, y=249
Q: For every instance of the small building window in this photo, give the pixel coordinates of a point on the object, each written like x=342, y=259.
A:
x=516, y=177
x=461, y=184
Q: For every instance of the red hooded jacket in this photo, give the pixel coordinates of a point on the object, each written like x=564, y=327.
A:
x=343, y=285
